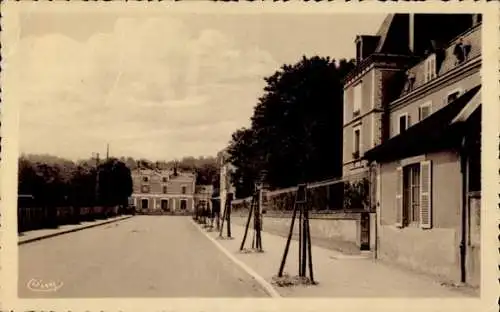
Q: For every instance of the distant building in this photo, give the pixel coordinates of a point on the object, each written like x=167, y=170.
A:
x=412, y=124
x=226, y=185
x=156, y=191
x=203, y=196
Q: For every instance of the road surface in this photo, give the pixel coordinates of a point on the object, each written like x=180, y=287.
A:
x=145, y=256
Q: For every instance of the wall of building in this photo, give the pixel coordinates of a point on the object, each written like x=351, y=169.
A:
x=473, y=261
x=156, y=194
x=369, y=119
x=435, y=250
x=154, y=202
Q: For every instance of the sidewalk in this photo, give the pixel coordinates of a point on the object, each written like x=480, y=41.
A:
x=31, y=236
x=337, y=274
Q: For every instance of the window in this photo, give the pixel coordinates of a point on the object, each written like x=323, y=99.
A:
x=145, y=189
x=183, y=190
x=144, y=204
x=452, y=96
x=164, y=190
x=145, y=179
x=424, y=111
x=413, y=195
x=164, y=180
x=430, y=68
x=403, y=123
x=357, y=100
x=357, y=143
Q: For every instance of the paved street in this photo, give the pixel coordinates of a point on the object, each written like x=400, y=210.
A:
x=144, y=256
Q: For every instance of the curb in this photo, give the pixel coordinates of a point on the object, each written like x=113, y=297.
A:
x=263, y=283
x=30, y=240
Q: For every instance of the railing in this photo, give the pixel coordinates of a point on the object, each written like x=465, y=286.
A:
x=37, y=217
x=323, y=196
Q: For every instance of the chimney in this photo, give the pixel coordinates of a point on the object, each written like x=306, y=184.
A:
x=411, y=28
x=359, y=55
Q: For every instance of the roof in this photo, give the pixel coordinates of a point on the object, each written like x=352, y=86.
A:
x=383, y=31
x=439, y=131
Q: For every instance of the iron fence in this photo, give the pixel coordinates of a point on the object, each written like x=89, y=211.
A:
x=352, y=193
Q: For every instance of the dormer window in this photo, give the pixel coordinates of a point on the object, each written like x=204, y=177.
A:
x=430, y=68
x=461, y=51
x=403, y=123
x=453, y=95
x=145, y=179
x=477, y=19
x=410, y=81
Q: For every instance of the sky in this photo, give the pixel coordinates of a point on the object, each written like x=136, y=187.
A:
x=158, y=86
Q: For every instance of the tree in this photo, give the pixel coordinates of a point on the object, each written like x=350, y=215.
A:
x=296, y=129
x=244, y=154
x=207, y=174
x=115, y=183
x=83, y=185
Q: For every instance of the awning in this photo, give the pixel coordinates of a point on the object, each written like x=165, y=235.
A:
x=439, y=131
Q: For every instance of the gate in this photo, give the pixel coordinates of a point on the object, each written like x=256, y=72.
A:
x=365, y=231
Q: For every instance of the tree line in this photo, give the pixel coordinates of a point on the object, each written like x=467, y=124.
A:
x=296, y=128
x=55, y=181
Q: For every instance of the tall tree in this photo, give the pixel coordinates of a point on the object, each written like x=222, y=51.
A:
x=296, y=130
x=115, y=182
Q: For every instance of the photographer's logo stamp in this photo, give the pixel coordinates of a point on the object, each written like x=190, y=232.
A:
x=40, y=285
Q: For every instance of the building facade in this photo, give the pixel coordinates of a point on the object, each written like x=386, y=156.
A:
x=163, y=191
x=412, y=126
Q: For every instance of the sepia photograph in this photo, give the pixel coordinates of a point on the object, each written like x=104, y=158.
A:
x=191, y=154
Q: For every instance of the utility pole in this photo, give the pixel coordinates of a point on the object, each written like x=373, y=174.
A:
x=97, y=177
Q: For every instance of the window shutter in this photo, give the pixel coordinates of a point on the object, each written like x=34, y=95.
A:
x=425, y=195
x=399, y=197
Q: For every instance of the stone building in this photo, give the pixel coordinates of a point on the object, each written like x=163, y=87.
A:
x=163, y=191
x=412, y=123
